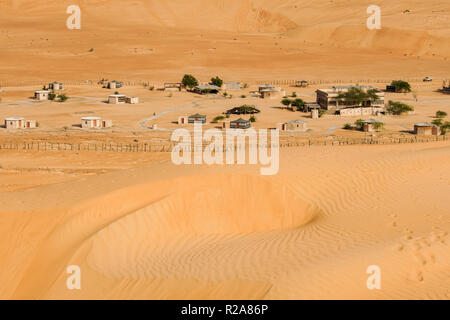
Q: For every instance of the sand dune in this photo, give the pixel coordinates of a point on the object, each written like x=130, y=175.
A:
x=168, y=232
x=169, y=38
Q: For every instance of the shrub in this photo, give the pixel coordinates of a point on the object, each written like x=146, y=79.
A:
x=321, y=112
x=441, y=114
x=243, y=96
x=444, y=127
x=398, y=108
x=252, y=119
x=401, y=86
x=286, y=102
x=294, y=95
x=216, y=82
x=245, y=85
x=437, y=122
x=189, y=81
x=62, y=97
x=218, y=118
x=359, y=123
x=347, y=126
x=51, y=96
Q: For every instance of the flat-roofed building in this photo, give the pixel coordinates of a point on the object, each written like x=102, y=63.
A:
x=426, y=129
x=95, y=123
x=294, y=125
x=19, y=123
x=55, y=86
x=231, y=86
x=372, y=125
x=173, y=86
x=41, y=95
x=329, y=98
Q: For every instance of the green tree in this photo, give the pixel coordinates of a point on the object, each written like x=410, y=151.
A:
x=353, y=96
x=298, y=103
x=437, y=122
x=401, y=86
x=216, y=82
x=398, y=108
x=286, y=102
x=189, y=81
x=441, y=114
x=359, y=123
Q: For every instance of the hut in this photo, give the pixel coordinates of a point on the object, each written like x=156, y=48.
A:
x=426, y=129
x=41, y=95
x=173, y=86
x=114, y=84
x=197, y=118
x=182, y=120
x=232, y=86
x=207, y=88
x=294, y=125
x=268, y=91
x=19, y=123
x=117, y=98
x=132, y=100
x=372, y=125
x=95, y=123
x=55, y=86
x=240, y=124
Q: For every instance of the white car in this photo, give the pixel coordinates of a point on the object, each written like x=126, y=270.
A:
x=427, y=79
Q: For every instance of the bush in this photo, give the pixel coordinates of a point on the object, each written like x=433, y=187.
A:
x=401, y=86
x=216, y=82
x=243, y=96
x=398, y=108
x=347, y=126
x=294, y=95
x=51, y=96
x=252, y=119
x=445, y=127
x=359, y=123
x=218, y=118
x=437, y=122
x=189, y=81
x=321, y=113
x=286, y=102
x=441, y=114
x=62, y=97
x=245, y=85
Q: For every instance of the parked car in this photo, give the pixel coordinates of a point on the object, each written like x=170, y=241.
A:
x=427, y=79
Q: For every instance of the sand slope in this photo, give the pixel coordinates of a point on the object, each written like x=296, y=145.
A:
x=276, y=39
x=177, y=232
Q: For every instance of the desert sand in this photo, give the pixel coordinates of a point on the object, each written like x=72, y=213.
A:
x=140, y=227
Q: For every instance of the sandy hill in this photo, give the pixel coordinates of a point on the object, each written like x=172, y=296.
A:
x=166, y=36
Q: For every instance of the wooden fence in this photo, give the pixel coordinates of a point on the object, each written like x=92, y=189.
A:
x=168, y=147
